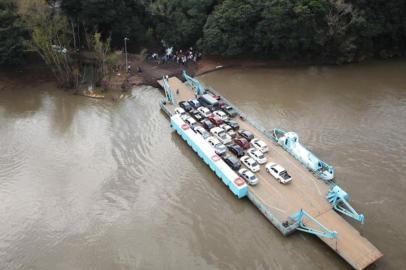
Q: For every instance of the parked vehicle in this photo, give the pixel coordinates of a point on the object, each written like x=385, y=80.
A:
x=232, y=133
x=225, y=127
x=233, y=162
x=260, y=145
x=194, y=103
x=248, y=176
x=185, y=105
x=220, y=114
x=246, y=134
x=257, y=155
x=219, y=148
x=220, y=134
x=230, y=111
x=196, y=115
x=243, y=143
x=215, y=120
x=204, y=111
x=250, y=163
x=207, y=124
x=233, y=124
x=184, y=116
x=204, y=133
x=208, y=101
x=236, y=150
x=190, y=121
x=179, y=111
x=278, y=172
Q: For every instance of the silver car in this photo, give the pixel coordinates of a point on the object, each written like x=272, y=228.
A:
x=248, y=176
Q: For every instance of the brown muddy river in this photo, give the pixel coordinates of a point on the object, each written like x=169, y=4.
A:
x=92, y=184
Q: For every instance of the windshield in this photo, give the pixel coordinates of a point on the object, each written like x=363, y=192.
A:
x=252, y=177
x=254, y=163
x=260, y=156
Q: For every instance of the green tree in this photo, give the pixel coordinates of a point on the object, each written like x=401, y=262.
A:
x=180, y=22
x=12, y=34
x=112, y=18
x=51, y=39
x=229, y=30
x=292, y=28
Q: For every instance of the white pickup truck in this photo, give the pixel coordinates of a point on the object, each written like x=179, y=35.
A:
x=278, y=172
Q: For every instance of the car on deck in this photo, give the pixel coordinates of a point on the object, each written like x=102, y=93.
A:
x=220, y=134
x=179, y=111
x=248, y=176
x=233, y=124
x=194, y=103
x=204, y=111
x=190, y=121
x=202, y=132
x=278, y=172
x=250, y=163
x=215, y=120
x=230, y=111
x=219, y=148
x=225, y=127
x=260, y=145
x=246, y=134
x=184, y=116
x=220, y=114
x=196, y=115
x=242, y=142
x=207, y=124
x=232, y=133
x=257, y=155
x=233, y=162
x=236, y=150
x=185, y=105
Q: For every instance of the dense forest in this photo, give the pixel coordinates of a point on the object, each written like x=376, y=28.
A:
x=333, y=31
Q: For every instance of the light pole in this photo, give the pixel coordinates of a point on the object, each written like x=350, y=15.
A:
x=125, y=49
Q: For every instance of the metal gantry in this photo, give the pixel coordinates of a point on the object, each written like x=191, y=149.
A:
x=168, y=91
x=323, y=231
x=338, y=198
x=195, y=84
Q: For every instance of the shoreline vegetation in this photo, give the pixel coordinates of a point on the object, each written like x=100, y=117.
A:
x=83, y=44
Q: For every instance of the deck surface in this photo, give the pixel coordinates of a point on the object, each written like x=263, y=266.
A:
x=305, y=192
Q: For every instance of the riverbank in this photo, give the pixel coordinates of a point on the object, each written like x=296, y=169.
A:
x=148, y=72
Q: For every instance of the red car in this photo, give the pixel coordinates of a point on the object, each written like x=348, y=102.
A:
x=215, y=120
x=242, y=142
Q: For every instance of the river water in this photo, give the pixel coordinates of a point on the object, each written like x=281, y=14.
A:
x=96, y=184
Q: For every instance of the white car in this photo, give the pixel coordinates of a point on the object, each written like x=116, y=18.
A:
x=232, y=133
x=250, y=163
x=257, y=155
x=179, y=111
x=278, y=172
x=226, y=127
x=204, y=111
x=248, y=176
x=220, y=134
x=190, y=121
x=184, y=116
x=260, y=145
x=219, y=148
x=220, y=114
x=202, y=132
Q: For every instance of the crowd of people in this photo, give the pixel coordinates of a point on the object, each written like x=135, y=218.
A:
x=180, y=56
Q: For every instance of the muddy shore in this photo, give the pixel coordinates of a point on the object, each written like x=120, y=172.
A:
x=142, y=73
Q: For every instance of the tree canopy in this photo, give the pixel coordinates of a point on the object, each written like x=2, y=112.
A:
x=12, y=34
x=336, y=31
